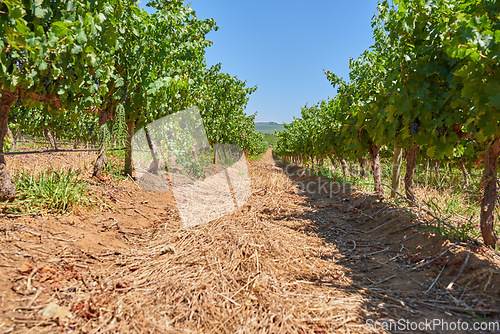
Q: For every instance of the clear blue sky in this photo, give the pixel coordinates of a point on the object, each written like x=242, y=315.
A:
x=283, y=46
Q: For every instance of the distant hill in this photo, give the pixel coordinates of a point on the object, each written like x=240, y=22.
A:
x=268, y=127
x=266, y=123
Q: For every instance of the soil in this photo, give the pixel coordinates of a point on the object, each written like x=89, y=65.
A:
x=288, y=261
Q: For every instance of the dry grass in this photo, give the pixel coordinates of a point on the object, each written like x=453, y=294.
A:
x=35, y=164
x=457, y=209
x=237, y=274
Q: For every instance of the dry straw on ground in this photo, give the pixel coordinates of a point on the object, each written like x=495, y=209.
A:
x=242, y=273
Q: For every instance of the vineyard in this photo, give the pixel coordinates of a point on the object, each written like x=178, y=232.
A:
x=326, y=241
x=428, y=88
x=89, y=71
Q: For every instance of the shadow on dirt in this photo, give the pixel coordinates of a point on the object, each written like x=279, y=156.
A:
x=404, y=271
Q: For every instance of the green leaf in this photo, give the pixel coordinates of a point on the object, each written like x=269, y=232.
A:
x=81, y=37
x=475, y=56
x=101, y=17
x=14, y=79
x=431, y=151
x=59, y=28
x=119, y=82
x=22, y=27
x=40, y=12
x=494, y=100
x=16, y=12
x=71, y=6
x=92, y=58
x=76, y=49
x=53, y=39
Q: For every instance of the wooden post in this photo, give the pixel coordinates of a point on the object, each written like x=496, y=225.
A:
x=155, y=164
x=490, y=196
x=362, y=166
x=464, y=172
x=128, y=149
x=345, y=168
x=7, y=187
x=411, y=163
x=397, y=160
x=377, y=173
x=51, y=139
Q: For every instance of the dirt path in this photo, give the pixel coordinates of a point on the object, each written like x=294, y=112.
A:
x=405, y=271
x=289, y=261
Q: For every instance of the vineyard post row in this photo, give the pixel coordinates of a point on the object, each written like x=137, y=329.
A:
x=430, y=85
x=107, y=68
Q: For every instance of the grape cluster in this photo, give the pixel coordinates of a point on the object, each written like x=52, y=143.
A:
x=125, y=95
x=414, y=125
x=18, y=61
x=46, y=81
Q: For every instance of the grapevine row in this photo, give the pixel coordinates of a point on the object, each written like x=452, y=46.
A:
x=100, y=69
x=429, y=85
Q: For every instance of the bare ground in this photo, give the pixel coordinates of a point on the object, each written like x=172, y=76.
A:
x=289, y=261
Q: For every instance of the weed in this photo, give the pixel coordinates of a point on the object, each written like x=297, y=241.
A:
x=52, y=191
x=255, y=157
x=120, y=154
x=114, y=169
x=113, y=165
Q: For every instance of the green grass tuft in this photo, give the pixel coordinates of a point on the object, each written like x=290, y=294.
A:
x=50, y=191
x=255, y=157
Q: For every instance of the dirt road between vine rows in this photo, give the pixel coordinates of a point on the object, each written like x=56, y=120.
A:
x=304, y=255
